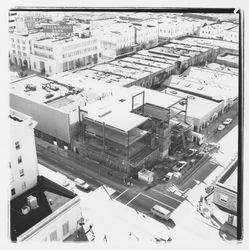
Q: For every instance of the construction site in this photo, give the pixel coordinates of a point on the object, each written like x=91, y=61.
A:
x=130, y=134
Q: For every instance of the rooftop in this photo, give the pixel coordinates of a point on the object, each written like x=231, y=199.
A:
x=114, y=114
x=50, y=198
x=196, y=87
x=213, y=42
x=229, y=178
x=36, y=93
x=175, y=55
x=229, y=57
x=197, y=107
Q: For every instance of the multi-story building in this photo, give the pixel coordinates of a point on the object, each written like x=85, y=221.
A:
x=40, y=210
x=20, y=43
x=232, y=34
x=171, y=28
x=225, y=193
x=52, y=56
x=223, y=31
x=23, y=162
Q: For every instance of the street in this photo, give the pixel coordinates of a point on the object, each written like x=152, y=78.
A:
x=168, y=195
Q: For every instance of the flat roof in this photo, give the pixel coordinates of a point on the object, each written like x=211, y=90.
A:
x=90, y=79
x=158, y=62
x=219, y=77
x=195, y=87
x=213, y=42
x=173, y=55
x=156, y=57
x=18, y=87
x=197, y=107
x=229, y=58
x=177, y=44
x=121, y=71
x=45, y=191
x=113, y=114
x=229, y=178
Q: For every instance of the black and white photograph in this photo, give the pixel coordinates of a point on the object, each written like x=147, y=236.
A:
x=126, y=125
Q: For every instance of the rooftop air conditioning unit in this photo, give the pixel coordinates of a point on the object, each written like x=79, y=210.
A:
x=32, y=202
x=25, y=209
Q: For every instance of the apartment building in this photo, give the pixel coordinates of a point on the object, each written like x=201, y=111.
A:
x=225, y=193
x=224, y=31
x=23, y=159
x=20, y=43
x=40, y=210
x=55, y=55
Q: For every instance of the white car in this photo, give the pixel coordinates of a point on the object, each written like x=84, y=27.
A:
x=221, y=127
x=179, y=166
x=81, y=184
x=227, y=121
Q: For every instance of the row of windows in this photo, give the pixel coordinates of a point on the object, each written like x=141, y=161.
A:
x=78, y=52
x=43, y=47
x=17, y=40
x=18, y=47
x=82, y=44
x=42, y=54
x=19, y=53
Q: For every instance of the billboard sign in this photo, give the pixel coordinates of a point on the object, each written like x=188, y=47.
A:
x=61, y=29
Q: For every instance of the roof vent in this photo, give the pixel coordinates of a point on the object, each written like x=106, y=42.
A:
x=25, y=209
x=32, y=202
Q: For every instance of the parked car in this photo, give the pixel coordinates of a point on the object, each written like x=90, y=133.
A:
x=209, y=189
x=227, y=121
x=191, y=152
x=81, y=184
x=179, y=166
x=221, y=127
x=200, y=155
x=168, y=177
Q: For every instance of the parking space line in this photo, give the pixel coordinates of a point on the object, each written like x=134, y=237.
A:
x=122, y=193
x=158, y=201
x=166, y=195
x=132, y=199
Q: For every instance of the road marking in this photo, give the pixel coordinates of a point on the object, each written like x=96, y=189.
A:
x=132, y=199
x=166, y=195
x=158, y=201
x=121, y=193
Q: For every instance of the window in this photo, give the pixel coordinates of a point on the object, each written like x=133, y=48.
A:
x=34, y=65
x=25, y=54
x=65, y=228
x=12, y=39
x=23, y=48
x=50, y=69
x=13, y=191
x=18, y=41
x=53, y=236
x=14, y=52
x=21, y=172
x=23, y=42
x=13, y=45
x=19, y=159
x=19, y=53
x=24, y=185
x=9, y=164
x=18, y=46
x=17, y=143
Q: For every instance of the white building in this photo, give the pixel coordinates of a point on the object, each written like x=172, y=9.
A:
x=20, y=43
x=171, y=28
x=40, y=210
x=225, y=31
x=232, y=34
x=23, y=159
x=58, y=55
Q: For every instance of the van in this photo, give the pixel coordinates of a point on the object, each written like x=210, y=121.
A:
x=81, y=184
x=160, y=212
